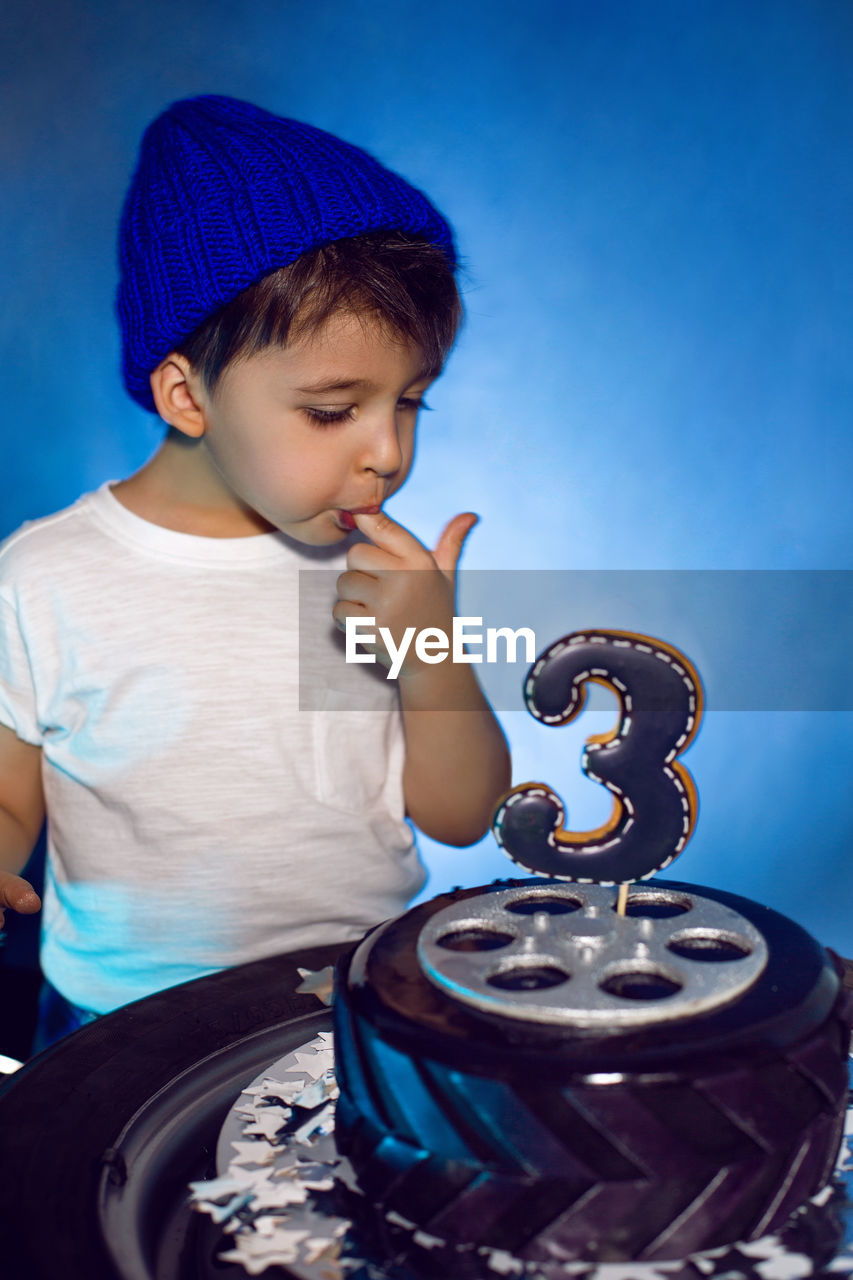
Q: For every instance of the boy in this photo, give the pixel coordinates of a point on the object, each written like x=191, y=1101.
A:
x=285, y=302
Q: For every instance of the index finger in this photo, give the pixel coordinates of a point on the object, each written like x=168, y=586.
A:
x=386, y=534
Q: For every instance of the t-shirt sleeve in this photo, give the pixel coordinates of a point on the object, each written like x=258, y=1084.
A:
x=17, y=691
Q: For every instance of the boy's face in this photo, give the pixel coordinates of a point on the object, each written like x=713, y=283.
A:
x=306, y=433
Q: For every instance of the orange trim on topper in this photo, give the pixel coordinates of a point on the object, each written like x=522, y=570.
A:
x=692, y=799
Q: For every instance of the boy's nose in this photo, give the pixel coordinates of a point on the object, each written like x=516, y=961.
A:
x=383, y=453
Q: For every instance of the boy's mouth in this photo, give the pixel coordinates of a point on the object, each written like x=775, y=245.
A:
x=346, y=519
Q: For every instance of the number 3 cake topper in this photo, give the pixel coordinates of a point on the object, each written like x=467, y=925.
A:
x=654, y=797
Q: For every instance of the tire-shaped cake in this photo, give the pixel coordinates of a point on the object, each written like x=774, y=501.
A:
x=481, y=1115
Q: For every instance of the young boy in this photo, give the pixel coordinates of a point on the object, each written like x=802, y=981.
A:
x=285, y=302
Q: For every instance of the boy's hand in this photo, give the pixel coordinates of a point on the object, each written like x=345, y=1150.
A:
x=16, y=894
x=422, y=596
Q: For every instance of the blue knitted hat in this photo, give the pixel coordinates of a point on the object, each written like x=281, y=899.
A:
x=224, y=193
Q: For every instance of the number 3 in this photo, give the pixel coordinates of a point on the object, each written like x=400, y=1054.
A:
x=654, y=798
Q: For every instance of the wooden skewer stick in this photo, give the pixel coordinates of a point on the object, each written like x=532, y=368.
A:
x=622, y=899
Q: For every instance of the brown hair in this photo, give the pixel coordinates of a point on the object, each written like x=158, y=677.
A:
x=407, y=283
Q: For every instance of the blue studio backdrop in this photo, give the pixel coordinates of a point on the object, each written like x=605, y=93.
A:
x=652, y=201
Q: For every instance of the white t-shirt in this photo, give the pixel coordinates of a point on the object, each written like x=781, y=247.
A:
x=198, y=818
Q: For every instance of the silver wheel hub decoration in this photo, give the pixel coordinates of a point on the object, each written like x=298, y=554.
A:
x=560, y=954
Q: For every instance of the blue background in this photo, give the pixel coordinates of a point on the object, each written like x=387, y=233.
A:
x=652, y=200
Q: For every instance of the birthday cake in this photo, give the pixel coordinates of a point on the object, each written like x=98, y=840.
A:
x=550, y=1069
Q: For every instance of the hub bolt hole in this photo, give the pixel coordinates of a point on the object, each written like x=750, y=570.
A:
x=710, y=947
x=529, y=978
x=475, y=939
x=656, y=906
x=640, y=985
x=553, y=906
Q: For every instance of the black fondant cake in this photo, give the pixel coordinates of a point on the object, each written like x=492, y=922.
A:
x=557, y=1137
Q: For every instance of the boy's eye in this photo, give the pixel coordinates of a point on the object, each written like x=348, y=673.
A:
x=410, y=404
x=326, y=416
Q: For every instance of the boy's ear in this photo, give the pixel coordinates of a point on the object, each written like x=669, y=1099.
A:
x=179, y=395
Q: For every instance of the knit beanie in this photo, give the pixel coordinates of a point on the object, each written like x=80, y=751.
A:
x=225, y=192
